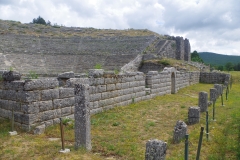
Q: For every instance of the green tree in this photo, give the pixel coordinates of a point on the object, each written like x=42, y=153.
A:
x=220, y=68
x=195, y=57
x=229, y=66
x=40, y=20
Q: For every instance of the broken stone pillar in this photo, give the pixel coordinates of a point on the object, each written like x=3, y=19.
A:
x=213, y=94
x=180, y=130
x=193, y=115
x=82, y=117
x=155, y=150
x=203, y=101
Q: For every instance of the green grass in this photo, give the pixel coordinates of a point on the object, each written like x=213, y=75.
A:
x=122, y=132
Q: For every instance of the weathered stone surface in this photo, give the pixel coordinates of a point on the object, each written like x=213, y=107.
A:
x=219, y=89
x=39, y=129
x=72, y=81
x=193, y=115
x=66, y=92
x=96, y=73
x=28, y=96
x=45, y=105
x=13, y=85
x=11, y=76
x=155, y=150
x=9, y=95
x=66, y=111
x=32, y=108
x=203, y=101
x=61, y=103
x=27, y=118
x=82, y=117
x=40, y=84
x=213, y=94
x=50, y=94
x=67, y=75
x=180, y=130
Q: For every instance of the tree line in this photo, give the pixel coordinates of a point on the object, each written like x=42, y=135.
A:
x=229, y=66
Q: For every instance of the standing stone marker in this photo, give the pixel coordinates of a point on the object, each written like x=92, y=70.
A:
x=203, y=101
x=219, y=89
x=213, y=94
x=193, y=115
x=155, y=150
x=82, y=117
x=180, y=130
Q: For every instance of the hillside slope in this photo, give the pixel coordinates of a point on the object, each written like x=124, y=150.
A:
x=218, y=59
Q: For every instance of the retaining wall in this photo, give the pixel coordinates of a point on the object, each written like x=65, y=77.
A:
x=44, y=101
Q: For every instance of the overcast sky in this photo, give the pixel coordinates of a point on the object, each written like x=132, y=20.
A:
x=210, y=25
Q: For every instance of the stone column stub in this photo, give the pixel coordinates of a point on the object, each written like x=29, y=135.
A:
x=203, y=101
x=82, y=117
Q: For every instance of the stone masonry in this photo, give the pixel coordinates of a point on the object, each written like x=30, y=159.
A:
x=43, y=101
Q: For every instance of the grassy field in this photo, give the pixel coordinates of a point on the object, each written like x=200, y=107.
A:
x=122, y=133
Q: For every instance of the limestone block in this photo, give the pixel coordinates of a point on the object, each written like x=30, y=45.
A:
x=95, y=97
x=137, y=99
x=40, y=84
x=104, y=95
x=110, y=80
x=66, y=111
x=92, y=89
x=193, y=115
x=139, y=77
x=96, y=81
x=31, y=108
x=28, y=96
x=180, y=130
x=66, y=75
x=45, y=105
x=5, y=113
x=142, y=83
x=66, y=92
x=125, y=85
x=95, y=111
x=101, y=88
x=48, y=123
x=9, y=95
x=133, y=84
x=138, y=89
x=111, y=87
x=156, y=81
x=152, y=73
x=26, y=118
x=50, y=94
x=39, y=129
x=155, y=150
x=127, y=91
x=219, y=89
x=96, y=73
x=15, y=105
x=13, y=85
x=11, y=76
x=61, y=103
x=47, y=115
x=128, y=79
x=118, y=86
x=203, y=101
x=70, y=83
x=4, y=104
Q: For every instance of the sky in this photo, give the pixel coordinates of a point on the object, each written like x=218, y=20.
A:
x=210, y=25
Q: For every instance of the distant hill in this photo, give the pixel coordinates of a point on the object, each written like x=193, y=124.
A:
x=218, y=59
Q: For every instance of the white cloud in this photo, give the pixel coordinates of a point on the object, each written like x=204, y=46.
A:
x=210, y=25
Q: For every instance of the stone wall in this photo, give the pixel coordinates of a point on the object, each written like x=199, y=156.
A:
x=213, y=77
x=35, y=102
x=44, y=101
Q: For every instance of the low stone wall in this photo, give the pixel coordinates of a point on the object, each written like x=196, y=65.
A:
x=44, y=101
x=213, y=77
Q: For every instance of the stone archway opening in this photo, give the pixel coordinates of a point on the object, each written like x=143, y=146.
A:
x=173, y=83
